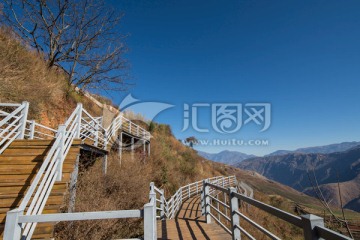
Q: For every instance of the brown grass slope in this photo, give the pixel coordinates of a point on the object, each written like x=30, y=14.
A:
x=24, y=76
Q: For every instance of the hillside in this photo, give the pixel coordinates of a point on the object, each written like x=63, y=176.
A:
x=328, y=169
x=226, y=157
x=24, y=76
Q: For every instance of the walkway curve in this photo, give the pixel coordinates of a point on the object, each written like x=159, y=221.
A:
x=190, y=224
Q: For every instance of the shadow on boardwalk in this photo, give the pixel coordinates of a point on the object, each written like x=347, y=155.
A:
x=189, y=224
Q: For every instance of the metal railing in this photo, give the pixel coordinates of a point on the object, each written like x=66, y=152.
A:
x=153, y=210
x=80, y=125
x=13, y=122
x=169, y=208
x=92, y=130
x=312, y=225
x=50, y=171
x=121, y=122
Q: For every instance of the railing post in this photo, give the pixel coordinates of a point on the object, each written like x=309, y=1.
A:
x=149, y=223
x=105, y=140
x=162, y=205
x=12, y=225
x=32, y=129
x=78, y=129
x=189, y=190
x=197, y=187
x=22, y=122
x=61, y=132
x=181, y=199
x=96, y=134
x=310, y=221
x=132, y=147
x=235, y=219
x=206, y=201
x=152, y=191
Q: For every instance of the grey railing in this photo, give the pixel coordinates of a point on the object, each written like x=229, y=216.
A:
x=312, y=225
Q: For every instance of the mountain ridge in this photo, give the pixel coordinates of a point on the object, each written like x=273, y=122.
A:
x=330, y=148
x=343, y=167
x=226, y=156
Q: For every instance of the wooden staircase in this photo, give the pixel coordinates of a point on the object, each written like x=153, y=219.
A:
x=19, y=164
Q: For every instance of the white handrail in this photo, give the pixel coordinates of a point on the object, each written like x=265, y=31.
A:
x=12, y=126
x=49, y=172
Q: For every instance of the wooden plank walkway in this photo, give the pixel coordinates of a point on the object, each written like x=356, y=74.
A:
x=189, y=224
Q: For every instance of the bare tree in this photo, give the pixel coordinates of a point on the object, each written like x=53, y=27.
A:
x=81, y=37
x=191, y=141
x=320, y=196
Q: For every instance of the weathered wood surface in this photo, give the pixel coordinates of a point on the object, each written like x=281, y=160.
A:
x=189, y=224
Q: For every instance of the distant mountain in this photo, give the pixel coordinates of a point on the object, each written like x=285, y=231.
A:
x=292, y=170
x=337, y=147
x=226, y=157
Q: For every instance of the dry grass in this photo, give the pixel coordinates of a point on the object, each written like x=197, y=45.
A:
x=124, y=187
x=24, y=76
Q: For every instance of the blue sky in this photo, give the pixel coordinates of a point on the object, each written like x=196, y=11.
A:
x=302, y=57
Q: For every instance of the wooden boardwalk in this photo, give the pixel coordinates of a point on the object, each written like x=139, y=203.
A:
x=189, y=224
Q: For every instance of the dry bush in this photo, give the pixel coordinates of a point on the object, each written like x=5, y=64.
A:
x=122, y=188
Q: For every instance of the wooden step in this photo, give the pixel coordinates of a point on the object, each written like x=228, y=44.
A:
x=42, y=231
x=26, y=159
x=52, y=200
x=28, y=169
x=18, y=167
x=13, y=178
x=20, y=189
x=54, y=208
x=36, y=142
x=34, y=151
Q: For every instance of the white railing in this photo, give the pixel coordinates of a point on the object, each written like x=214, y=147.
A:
x=121, y=122
x=15, y=125
x=12, y=124
x=34, y=130
x=229, y=215
x=169, y=208
x=16, y=220
x=92, y=130
x=50, y=171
